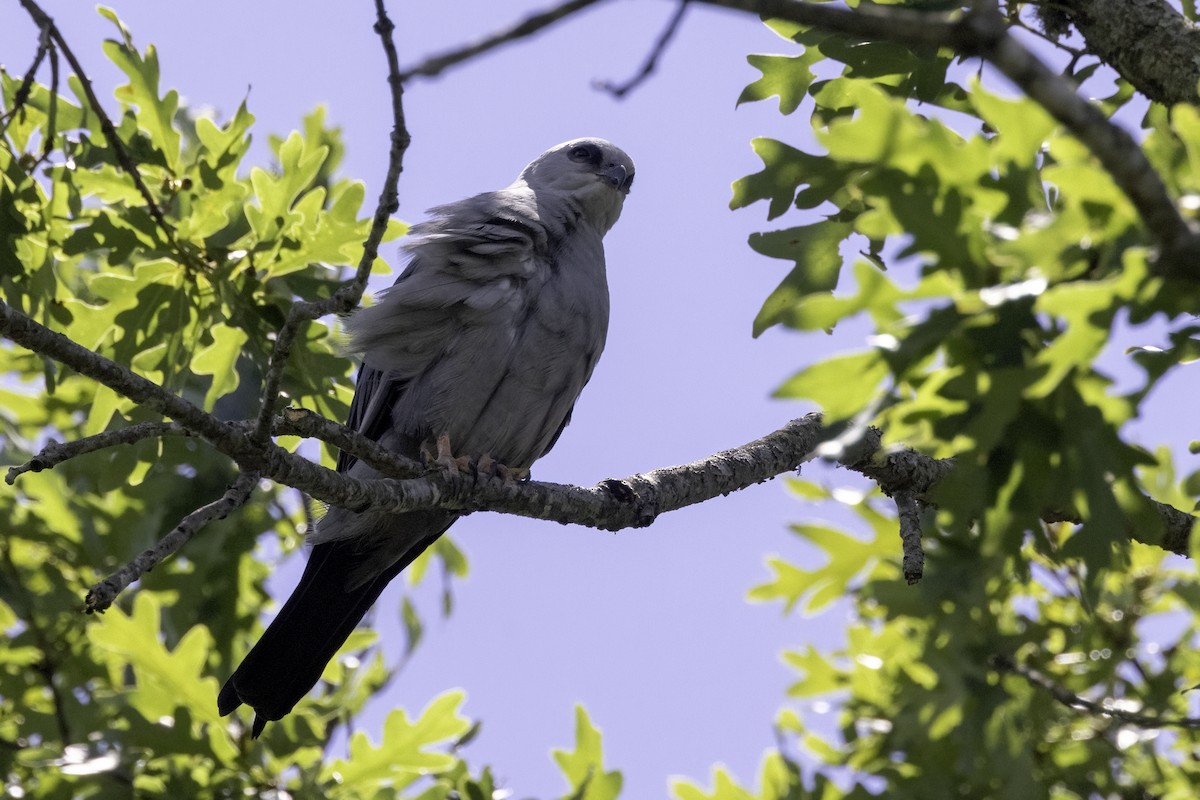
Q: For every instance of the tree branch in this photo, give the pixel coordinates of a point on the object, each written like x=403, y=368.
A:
x=983, y=33
x=105, y=592
x=909, y=515
x=32, y=336
x=435, y=65
x=1148, y=42
x=347, y=297
x=1105, y=708
x=620, y=90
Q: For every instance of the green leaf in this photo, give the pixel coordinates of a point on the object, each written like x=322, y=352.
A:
x=814, y=249
x=403, y=755
x=163, y=680
x=842, y=386
x=584, y=766
x=785, y=77
x=219, y=360
x=155, y=114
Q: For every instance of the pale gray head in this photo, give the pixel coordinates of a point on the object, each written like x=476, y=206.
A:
x=595, y=173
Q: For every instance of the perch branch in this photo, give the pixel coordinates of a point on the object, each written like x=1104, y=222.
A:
x=619, y=90
x=435, y=65
x=1105, y=708
x=103, y=593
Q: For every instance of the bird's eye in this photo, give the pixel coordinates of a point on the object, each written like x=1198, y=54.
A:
x=586, y=153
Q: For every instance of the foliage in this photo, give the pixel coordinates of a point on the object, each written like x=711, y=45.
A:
x=125, y=703
x=998, y=261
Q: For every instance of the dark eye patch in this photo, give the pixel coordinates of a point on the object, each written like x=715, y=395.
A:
x=588, y=153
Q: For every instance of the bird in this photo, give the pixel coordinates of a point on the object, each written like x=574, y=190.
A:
x=481, y=348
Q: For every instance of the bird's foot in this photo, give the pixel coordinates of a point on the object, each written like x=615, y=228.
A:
x=439, y=454
x=490, y=467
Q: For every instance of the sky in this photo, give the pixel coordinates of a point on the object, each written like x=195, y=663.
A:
x=649, y=629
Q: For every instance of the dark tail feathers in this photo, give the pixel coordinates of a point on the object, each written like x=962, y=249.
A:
x=314, y=622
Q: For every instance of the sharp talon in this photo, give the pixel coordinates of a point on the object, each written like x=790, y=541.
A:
x=486, y=466
x=512, y=474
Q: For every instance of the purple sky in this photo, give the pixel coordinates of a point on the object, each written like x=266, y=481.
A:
x=649, y=629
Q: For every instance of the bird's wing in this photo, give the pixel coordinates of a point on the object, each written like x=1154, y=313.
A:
x=468, y=267
x=468, y=264
x=375, y=392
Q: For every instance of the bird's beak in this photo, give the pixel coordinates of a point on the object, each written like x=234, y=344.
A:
x=614, y=174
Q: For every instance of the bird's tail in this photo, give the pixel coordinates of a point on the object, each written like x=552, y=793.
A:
x=314, y=622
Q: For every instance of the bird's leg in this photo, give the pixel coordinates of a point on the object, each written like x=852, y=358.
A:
x=441, y=455
x=446, y=458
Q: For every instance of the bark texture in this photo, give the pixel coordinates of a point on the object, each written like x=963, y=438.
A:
x=1152, y=45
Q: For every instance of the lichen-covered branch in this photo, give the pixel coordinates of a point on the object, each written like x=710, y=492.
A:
x=908, y=513
x=36, y=337
x=1148, y=42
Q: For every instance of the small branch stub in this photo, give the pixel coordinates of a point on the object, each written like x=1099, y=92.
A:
x=909, y=512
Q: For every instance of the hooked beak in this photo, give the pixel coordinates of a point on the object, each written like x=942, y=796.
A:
x=614, y=175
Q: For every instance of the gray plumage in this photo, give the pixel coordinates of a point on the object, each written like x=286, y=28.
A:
x=487, y=337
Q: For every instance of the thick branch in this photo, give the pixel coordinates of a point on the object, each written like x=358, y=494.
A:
x=103, y=593
x=434, y=65
x=1148, y=42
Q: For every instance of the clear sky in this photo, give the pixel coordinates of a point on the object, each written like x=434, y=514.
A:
x=649, y=629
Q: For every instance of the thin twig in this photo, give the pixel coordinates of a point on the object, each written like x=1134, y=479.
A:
x=22, y=95
x=909, y=516
x=435, y=65
x=347, y=297
x=1105, y=708
x=55, y=453
x=52, y=113
x=619, y=90
x=105, y=592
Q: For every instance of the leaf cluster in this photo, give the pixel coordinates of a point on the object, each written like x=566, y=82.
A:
x=994, y=261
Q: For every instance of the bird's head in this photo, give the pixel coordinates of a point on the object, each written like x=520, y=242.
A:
x=594, y=172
